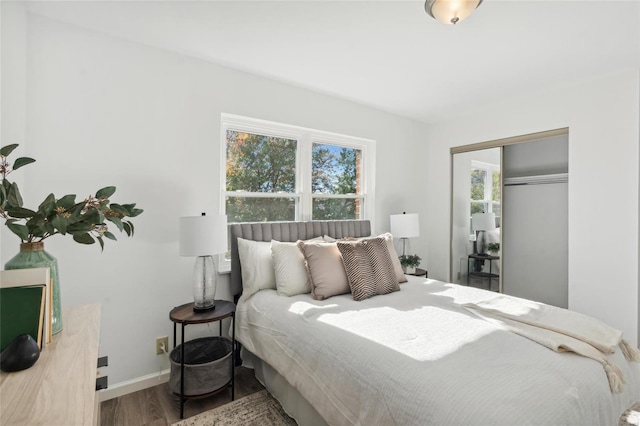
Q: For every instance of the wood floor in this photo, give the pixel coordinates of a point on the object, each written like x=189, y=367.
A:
x=158, y=406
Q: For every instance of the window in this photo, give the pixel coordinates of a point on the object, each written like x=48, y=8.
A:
x=336, y=182
x=260, y=177
x=485, y=188
x=278, y=172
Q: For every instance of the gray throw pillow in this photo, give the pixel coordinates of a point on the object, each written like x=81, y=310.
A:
x=324, y=266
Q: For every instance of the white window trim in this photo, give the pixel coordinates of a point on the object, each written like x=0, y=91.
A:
x=306, y=137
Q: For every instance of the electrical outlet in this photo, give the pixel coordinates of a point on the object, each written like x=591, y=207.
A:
x=160, y=341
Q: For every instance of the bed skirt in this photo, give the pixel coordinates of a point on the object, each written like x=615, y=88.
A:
x=291, y=400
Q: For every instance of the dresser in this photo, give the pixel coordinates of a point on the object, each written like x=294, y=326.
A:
x=60, y=388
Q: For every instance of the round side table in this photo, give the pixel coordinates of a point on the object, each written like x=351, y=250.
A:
x=185, y=315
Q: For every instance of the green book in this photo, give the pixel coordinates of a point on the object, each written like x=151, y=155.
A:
x=21, y=312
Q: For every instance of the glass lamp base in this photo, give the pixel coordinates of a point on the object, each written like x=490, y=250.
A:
x=204, y=284
x=201, y=309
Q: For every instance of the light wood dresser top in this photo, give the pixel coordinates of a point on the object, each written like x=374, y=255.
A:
x=59, y=389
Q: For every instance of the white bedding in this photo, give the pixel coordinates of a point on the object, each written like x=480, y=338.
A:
x=416, y=357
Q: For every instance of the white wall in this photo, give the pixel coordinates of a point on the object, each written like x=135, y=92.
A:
x=13, y=27
x=103, y=111
x=603, y=120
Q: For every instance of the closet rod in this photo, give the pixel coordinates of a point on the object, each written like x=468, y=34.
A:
x=537, y=180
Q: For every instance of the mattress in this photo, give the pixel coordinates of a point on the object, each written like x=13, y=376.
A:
x=417, y=357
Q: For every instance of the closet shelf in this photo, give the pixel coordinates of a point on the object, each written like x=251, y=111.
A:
x=537, y=179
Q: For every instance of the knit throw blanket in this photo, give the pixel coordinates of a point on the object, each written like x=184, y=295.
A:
x=560, y=330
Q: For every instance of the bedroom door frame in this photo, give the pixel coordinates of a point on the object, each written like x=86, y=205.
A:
x=496, y=143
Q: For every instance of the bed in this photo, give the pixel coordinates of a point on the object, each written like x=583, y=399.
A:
x=410, y=357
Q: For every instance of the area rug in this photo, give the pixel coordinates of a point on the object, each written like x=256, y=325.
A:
x=257, y=409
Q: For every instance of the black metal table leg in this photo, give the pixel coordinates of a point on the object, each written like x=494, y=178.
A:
x=490, y=271
x=182, y=374
x=233, y=356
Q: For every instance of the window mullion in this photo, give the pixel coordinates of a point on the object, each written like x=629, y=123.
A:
x=304, y=177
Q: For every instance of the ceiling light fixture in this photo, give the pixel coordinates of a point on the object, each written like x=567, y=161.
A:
x=451, y=12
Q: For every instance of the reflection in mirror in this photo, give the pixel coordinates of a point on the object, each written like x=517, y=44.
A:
x=475, y=218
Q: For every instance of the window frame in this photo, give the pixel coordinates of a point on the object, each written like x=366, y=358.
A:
x=306, y=138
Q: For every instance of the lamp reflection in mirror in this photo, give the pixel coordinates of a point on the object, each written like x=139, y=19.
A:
x=202, y=237
x=480, y=223
x=405, y=226
x=451, y=12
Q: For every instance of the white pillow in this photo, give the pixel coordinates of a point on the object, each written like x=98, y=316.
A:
x=290, y=271
x=257, y=266
x=397, y=267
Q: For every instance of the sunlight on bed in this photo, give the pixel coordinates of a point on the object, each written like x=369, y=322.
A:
x=408, y=332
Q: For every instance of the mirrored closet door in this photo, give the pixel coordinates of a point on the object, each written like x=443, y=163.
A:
x=509, y=216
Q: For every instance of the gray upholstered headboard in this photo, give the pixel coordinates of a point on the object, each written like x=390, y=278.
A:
x=288, y=231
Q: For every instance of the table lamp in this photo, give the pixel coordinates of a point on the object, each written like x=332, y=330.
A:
x=203, y=236
x=480, y=223
x=405, y=226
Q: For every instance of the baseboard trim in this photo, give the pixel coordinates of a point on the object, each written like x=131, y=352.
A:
x=134, y=385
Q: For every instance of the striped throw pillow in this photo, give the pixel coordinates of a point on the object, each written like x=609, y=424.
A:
x=369, y=267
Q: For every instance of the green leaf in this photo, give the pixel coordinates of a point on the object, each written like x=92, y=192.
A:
x=21, y=212
x=13, y=197
x=60, y=223
x=80, y=227
x=48, y=228
x=110, y=236
x=127, y=228
x=76, y=212
x=20, y=230
x=131, y=210
x=37, y=231
x=135, y=212
x=106, y=192
x=67, y=201
x=83, y=238
x=118, y=208
x=91, y=217
x=6, y=150
x=36, y=220
x=22, y=161
x=117, y=222
x=101, y=243
x=3, y=196
x=47, y=206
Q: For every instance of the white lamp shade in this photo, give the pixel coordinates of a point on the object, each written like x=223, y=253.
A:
x=405, y=225
x=483, y=221
x=203, y=235
x=451, y=11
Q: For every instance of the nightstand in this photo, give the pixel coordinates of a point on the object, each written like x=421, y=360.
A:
x=420, y=273
x=185, y=315
x=479, y=260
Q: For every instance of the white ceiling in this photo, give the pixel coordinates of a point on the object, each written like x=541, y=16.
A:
x=386, y=54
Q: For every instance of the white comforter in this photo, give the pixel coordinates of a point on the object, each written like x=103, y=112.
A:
x=416, y=357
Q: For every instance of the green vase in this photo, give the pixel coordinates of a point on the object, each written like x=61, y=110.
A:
x=33, y=255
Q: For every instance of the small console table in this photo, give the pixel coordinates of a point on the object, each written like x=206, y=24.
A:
x=185, y=315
